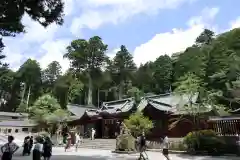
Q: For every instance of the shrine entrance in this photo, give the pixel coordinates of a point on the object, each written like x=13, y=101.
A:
x=109, y=128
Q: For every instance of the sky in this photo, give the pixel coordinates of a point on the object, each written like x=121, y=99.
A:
x=148, y=28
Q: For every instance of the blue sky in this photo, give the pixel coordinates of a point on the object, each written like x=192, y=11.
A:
x=149, y=28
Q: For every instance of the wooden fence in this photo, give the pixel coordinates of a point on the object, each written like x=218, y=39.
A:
x=225, y=126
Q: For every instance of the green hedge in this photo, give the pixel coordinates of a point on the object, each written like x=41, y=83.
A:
x=204, y=141
x=125, y=142
x=177, y=146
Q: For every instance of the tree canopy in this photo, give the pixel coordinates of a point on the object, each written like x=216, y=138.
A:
x=43, y=11
x=210, y=66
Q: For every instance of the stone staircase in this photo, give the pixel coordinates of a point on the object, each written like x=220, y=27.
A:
x=105, y=144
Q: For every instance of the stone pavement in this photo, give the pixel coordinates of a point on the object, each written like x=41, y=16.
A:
x=94, y=154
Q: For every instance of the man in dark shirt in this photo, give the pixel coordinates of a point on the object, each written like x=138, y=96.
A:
x=142, y=142
x=30, y=144
x=142, y=147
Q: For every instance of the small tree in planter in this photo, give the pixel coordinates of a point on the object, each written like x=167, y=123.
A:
x=137, y=123
x=131, y=128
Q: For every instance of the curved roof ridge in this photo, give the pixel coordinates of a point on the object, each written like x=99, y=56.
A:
x=120, y=100
x=151, y=100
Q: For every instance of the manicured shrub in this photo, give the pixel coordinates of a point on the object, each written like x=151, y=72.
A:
x=204, y=141
x=177, y=146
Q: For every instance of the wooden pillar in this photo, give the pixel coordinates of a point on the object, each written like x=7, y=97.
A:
x=217, y=127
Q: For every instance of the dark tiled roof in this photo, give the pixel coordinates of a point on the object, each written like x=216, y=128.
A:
x=24, y=123
x=113, y=107
x=166, y=102
x=78, y=110
x=13, y=114
x=123, y=105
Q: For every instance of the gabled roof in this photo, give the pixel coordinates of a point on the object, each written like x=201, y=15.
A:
x=166, y=102
x=123, y=105
x=113, y=107
x=78, y=110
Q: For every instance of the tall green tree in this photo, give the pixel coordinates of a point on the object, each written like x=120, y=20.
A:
x=192, y=60
x=50, y=75
x=205, y=38
x=87, y=56
x=122, y=68
x=143, y=77
x=30, y=75
x=68, y=89
x=162, y=75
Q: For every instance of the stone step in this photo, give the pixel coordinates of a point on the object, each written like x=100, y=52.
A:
x=107, y=144
x=97, y=147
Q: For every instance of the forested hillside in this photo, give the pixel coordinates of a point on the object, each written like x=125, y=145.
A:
x=214, y=60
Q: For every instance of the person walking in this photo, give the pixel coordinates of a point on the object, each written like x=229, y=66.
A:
x=30, y=145
x=38, y=149
x=9, y=149
x=165, y=147
x=26, y=145
x=78, y=141
x=93, y=134
x=142, y=146
x=69, y=141
x=47, y=148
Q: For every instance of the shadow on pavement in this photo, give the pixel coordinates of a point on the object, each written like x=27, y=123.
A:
x=70, y=157
x=198, y=157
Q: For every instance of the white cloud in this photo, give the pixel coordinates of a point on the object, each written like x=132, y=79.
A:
x=68, y=7
x=36, y=32
x=166, y=43
x=174, y=41
x=207, y=15
x=20, y=48
x=100, y=12
x=38, y=42
x=111, y=54
x=235, y=23
x=54, y=51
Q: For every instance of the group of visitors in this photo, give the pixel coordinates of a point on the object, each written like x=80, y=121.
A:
x=142, y=146
x=68, y=139
x=42, y=148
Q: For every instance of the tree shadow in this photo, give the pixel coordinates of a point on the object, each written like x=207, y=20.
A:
x=198, y=157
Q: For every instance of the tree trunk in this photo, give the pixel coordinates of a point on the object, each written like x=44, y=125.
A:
x=23, y=93
x=120, y=94
x=89, y=101
x=98, y=97
x=28, y=96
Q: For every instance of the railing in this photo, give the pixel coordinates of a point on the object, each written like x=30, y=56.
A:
x=225, y=127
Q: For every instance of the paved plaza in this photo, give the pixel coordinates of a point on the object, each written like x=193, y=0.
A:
x=94, y=154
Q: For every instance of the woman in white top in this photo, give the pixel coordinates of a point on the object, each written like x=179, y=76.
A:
x=78, y=140
x=9, y=148
x=165, y=147
x=38, y=149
